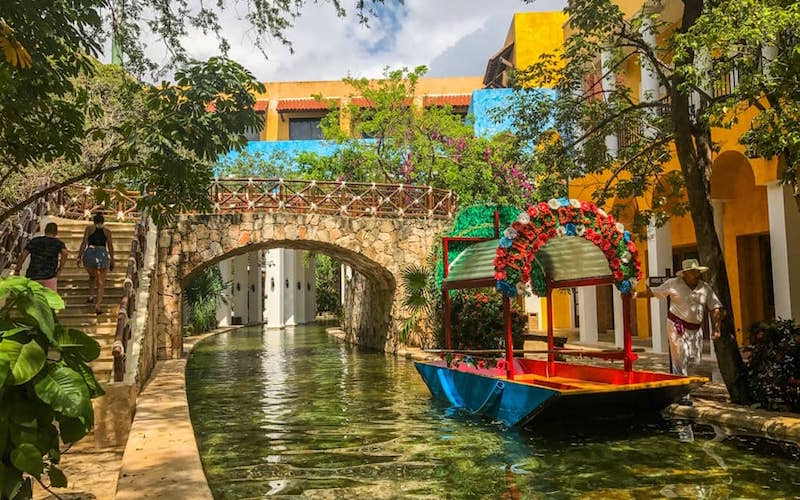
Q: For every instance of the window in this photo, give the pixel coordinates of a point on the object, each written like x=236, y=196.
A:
x=305, y=129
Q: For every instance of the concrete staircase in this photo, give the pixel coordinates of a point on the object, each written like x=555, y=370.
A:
x=73, y=285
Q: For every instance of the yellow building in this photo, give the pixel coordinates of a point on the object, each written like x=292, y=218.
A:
x=757, y=221
x=292, y=113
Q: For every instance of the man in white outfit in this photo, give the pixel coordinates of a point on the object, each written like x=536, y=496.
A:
x=690, y=298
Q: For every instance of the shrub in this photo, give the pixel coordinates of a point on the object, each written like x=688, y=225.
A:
x=773, y=365
x=46, y=386
x=477, y=320
x=203, y=293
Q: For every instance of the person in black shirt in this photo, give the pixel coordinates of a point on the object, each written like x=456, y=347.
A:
x=48, y=255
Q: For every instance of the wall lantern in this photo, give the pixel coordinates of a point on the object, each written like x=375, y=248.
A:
x=287, y=283
x=272, y=284
x=308, y=286
x=238, y=287
x=299, y=286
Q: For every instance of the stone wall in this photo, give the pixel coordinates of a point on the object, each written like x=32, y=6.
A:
x=377, y=249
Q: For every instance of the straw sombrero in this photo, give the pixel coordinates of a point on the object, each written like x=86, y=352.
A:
x=691, y=265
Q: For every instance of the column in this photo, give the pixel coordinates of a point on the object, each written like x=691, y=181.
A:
x=224, y=304
x=609, y=85
x=273, y=288
x=619, y=330
x=239, y=282
x=649, y=84
x=659, y=259
x=286, y=284
x=299, y=287
x=587, y=310
x=311, y=290
x=784, y=242
x=254, y=288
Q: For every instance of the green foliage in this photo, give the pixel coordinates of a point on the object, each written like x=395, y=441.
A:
x=773, y=364
x=758, y=39
x=475, y=221
x=203, y=292
x=393, y=141
x=420, y=300
x=477, y=320
x=328, y=282
x=44, y=381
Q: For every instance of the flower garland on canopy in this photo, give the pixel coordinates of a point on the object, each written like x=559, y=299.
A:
x=515, y=265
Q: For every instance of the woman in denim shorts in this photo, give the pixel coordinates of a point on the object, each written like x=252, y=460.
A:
x=97, y=255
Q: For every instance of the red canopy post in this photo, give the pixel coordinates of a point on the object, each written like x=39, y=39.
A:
x=509, y=338
x=551, y=357
x=447, y=327
x=626, y=331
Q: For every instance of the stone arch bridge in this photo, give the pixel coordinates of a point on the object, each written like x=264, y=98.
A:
x=377, y=229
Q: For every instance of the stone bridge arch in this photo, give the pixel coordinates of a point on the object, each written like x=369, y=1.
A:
x=377, y=248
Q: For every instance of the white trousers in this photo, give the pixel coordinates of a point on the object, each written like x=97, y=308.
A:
x=685, y=349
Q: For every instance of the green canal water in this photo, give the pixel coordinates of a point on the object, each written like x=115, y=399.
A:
x=298, y=414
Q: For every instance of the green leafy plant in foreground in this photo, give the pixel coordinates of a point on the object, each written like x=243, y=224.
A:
x=46, y=386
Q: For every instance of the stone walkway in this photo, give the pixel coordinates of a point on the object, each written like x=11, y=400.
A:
x=161, y=459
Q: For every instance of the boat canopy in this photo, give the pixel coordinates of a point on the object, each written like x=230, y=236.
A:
x=556, y=244
x=473, y=267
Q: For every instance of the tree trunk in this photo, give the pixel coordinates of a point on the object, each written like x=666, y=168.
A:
x=693, y=148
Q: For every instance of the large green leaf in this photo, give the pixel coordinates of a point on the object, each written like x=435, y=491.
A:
x=27, y=458
x=57, y=478
x=69, y=339
x=14, y=330
x=65, y=391
x=25, y=360
x=38, y=310
x=13, y=285
x=5, y=369
x=10, y=481
x=51, y=297
x=74, y=361
x=72, y=429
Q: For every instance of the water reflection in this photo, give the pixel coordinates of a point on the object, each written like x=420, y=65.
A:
x=298, y=413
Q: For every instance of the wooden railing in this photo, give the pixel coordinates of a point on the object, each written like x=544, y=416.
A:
x=82, y=202
x=127, y=305
x=15, y=233
x=354, y=199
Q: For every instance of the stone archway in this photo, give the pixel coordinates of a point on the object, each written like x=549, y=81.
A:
x=377, y=248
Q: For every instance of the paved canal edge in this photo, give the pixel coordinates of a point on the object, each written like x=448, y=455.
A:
x=161, y=459
x=780, y=426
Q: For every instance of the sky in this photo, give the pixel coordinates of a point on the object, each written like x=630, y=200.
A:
x=450, y=37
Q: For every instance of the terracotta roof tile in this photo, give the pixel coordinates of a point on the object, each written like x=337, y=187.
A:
x=260, y=106
x=303, y=104
x=455, y=100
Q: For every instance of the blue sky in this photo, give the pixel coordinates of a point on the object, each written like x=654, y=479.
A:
x=451, y=37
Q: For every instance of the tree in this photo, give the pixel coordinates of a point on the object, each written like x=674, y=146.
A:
x=161, y=139
x=45, y=380
x=759, y=40
x=203, y=292
x=677, y=117
x=49, y=46
x=391, y=140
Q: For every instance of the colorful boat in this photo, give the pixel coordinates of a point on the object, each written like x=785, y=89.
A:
x=559, y=244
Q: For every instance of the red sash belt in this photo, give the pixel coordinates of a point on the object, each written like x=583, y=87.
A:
x=681, y=325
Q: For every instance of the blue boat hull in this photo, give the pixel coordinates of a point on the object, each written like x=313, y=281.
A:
x=508, y=402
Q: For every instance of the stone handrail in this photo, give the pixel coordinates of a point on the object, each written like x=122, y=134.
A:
x=122, y=333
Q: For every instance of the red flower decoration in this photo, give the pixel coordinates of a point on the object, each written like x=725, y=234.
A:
x=533, y=212
x=631, y=247
x=499, y=275
x=618, y=275
x=543, y=208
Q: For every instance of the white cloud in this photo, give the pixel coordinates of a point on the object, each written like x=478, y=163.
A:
x=452, y=37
